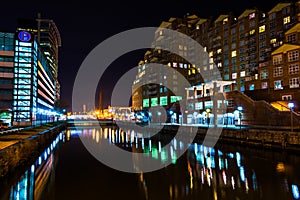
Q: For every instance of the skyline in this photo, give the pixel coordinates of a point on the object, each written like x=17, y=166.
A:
x=83, y=27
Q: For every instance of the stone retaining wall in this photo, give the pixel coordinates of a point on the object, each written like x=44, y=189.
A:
x=26, y=151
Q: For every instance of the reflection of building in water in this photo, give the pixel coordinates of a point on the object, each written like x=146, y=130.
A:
x=35, y=181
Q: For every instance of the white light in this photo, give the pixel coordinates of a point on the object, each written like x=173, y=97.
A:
x=240, y=108
x=291, y=105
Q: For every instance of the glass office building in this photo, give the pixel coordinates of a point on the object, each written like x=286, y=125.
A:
x=34, y=86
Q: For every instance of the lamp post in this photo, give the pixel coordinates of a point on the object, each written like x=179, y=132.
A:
x=240, y=109
x=291, y=105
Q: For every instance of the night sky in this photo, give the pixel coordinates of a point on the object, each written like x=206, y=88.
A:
x=84, y=24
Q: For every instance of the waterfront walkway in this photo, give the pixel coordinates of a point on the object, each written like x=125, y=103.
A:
x=13, y=136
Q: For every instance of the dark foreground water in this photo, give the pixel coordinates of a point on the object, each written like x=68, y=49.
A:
x=66, y=170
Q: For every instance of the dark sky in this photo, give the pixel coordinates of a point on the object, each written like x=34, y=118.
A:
x=85, y=24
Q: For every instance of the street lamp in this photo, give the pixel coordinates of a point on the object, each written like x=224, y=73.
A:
x=240, y=109
x=291, y=105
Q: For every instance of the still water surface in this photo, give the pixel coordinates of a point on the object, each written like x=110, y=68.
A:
x=66, y=170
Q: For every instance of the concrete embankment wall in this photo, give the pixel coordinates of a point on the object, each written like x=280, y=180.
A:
x=26, y=151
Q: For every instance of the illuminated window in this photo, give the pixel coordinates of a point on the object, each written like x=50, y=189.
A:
x=225, y=20
x=180, y=65
x=252, y=32
x=262, y=28
x=197, y=27
x=286, y=20
x=233, y=54
x=278, y=85
x=243, y=74
x=277, y=59
x=219, y=64
x=160, y=32
x=198, y=106
x=273, y=41
x=251, y=87
x=163, y=101
x=211, y=66
x=234, y=75
x=219, y=51
x=264, y=74
x=264, y=85
x=145, y=103
x=252, y=15
x=154, y=101
x=294, y=69
x=174, y=64
x=175, y=98
x=293, y=56
x=294, y=82
x=278, y=71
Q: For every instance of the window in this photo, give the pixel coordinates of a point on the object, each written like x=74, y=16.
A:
x=278, y=71
x=262, y=28
x=233, y=46
x=278, y=85
x=264, y=85
x=264, y=74
x=294, y=82
x=252, y=24
x=252, y=15
x=233, y=31
x=273, y=41
x=277, y=59
x=252, y=32
x=291, y=38
x=294, y=69
x=242, y=74
x=174, y=64
x=262, y=36
x=233, y=54
x=293, y=56
x=234, y=75
x=251, y=87
x=198, y=106
x=241, y=28
x=286, y=20
x=219, y=51
x=272, y=16
x=286, y=97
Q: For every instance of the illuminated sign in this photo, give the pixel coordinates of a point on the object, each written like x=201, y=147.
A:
x=175, y=98
x=24, y=36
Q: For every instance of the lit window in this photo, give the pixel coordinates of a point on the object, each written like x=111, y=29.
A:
x=252, y=32
x=197, y=27
x=219, y=51
x=234, y=75
x=278, y=71
x=278, y=85
x=294, y=69
x=273, y=41
x=294, y=82
x=211, y=60
x=211, y=66
x=181, y=65
x=262, y=28
x=264, y=74
x=174, y=64
x=160, y=32
x=219, y=64
x=277, y=59
x=211, y=54
x=251, y=87
x=243, y=74
x=252, y=15
x=264, y=85
x=293, y=56
x=233, y=54
x=225, y=20
x=286, y=20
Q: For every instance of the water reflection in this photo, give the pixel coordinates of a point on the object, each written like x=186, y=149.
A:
x=34, y=181
x=202, y=173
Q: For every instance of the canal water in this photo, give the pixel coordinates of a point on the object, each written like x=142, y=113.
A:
x=66, y=170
